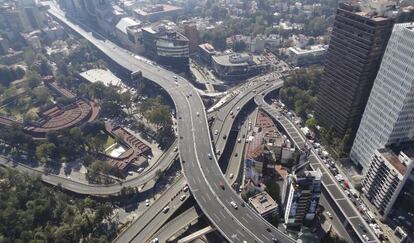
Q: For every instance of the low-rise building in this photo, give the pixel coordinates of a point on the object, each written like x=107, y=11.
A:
x=306, y=56
x=128, y=31
x=164, y=44
x=385, y=177
x=300, y=196
x=264, y=204
x=206, y=52
x=238, y=66
x=157, y=12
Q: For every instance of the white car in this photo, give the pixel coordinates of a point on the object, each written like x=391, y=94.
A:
x=182, y=197
x=365, y=237
x=147, y=202
x=155, y=240
x=198, y=113
x=233, y=204
x=231, y=176
x=329, y=214
x=185, y=188
x=215, y=132
x=165, y=210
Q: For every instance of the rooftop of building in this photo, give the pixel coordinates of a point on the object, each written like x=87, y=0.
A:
x=165, y=29
x=263, y=203
x=158, y=8
x=101, y=75
x=309, y=50
x=315, y=174
x=127, y=22
x=208, y=48
x=394, y=160
x=238, y=59
x=376, y=10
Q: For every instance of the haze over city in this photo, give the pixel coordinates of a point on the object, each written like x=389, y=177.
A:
x=206, y=121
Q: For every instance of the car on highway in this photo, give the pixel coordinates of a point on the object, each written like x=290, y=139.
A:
x=155, y=240
x=147, y=202
x=365, y=237
x=165, y=210
x=182, y=197
x=233, y=204
x=185, y=188
x=225, y=136
x=215, y=132
x=140, y=169
x=198, y=113
x=329, y=214
x=236, y=154
x=175, y=77
x=209, y=156
x=239, y=140
x=175, y=149
x=222, y=185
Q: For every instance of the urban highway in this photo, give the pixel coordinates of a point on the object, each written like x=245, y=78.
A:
x=154, y=217
x=144, y=181
x=171, y=230
x=224, y=117
x=328, y=181
x=195, y=147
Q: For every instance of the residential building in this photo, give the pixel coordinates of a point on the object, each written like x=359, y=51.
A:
x=21, y=16
x=257, y=44
x=264, y=204
x=238, y=66
x=389, y=115
x=191, y=32
x=385, y=177
x=306, y=56
x=359, y=36
x=107, y=16
x=125, y=31
x=206, y=52
x=158, y=12
x=164, y=44
x=300, y=196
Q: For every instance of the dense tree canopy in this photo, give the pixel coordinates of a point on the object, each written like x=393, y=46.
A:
x=33, y=212
x=299, y=90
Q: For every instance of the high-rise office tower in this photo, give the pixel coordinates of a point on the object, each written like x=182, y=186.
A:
x=389, y=115
x=359, y=36
x=300, y=196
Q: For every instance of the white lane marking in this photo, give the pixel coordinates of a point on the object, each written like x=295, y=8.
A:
x=265, y=237
x=222, y=214
x=250, y=217
x=244, y=219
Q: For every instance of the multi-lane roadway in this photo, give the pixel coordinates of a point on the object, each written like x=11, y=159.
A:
x=331, y=185
x=196, y=153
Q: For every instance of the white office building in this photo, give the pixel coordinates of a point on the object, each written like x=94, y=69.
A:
x=389, y=114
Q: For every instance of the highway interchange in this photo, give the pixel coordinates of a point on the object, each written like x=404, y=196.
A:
x=201, y=170
x=196, y=152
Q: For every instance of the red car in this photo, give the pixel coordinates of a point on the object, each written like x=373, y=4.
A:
x=222, y=185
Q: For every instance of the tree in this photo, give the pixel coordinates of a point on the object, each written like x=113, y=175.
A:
x=311, y=123
x=46, y=152
x=41, y=95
